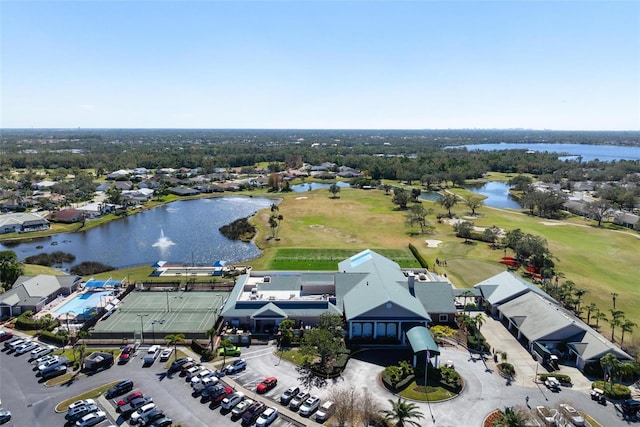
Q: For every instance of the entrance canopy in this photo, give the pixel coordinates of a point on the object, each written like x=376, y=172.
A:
x=420, y=340
x=269, y=311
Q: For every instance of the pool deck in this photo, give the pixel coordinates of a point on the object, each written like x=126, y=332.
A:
x=62, y=300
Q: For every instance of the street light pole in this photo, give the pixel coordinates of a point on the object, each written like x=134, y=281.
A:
x=141, y=326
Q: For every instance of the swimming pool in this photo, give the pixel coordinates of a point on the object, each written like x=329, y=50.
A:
x=83, y=302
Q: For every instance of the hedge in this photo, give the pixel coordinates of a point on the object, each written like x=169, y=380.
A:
x=201, y=350
x=418, y=255
x=618, y=392
x=53, y=338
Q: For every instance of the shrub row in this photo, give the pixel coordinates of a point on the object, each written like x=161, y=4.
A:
x=201, y=350
x=52, y=338
x=418, y=255
x=26, y=323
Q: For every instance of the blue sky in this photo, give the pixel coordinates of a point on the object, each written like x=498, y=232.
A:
x=320, y=64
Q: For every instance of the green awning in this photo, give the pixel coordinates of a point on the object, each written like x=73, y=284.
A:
x=420, y=339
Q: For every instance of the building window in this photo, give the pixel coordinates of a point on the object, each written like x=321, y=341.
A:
x=367, y=329
x=391, y=330
x=443, y=318
x=356, y=330
x=381, y=330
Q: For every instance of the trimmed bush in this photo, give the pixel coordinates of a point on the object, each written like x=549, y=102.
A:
x=418, y=255
x=564, y=379
x=201, y=350
x=52, y=338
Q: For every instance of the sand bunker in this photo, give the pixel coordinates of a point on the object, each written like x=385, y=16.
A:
x=302, y=198
x=433, y=243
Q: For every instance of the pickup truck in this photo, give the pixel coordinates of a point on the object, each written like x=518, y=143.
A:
x=132, y=406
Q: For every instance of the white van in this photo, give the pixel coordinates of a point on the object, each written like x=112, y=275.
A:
x=325, y=411
x=152, y=354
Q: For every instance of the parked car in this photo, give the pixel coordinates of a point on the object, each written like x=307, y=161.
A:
x=251, y=415
x=14, y=339
x=79, y=403
x=267, y=384
x=135, y=417
x=186, y=366
x=5, y=417
x=203, y=373
x=25, y=348
x=91, y=419
x=218, y=397
x=309, y=406
x=232, y=400
x=44, y=359
x=152, y=354
x=325, y=411
x=5, y=335
x=240, y=408
x=77, y=413
x=237, y=366
x=134, y=405
x=201, y=386
x=572, y=415
x=54, y=371
x=150, y=417
x=288, y=394
x=232, y=351
x=208, y=393
x=165, y=354
x=297, y=400
x=52, y=363
x=552, y=383
x=37, y=353
x=193, y=371
x=125, y=355
x=129, y=397
x=122, y=387
x=14, y=344
x=178, y=363
x=267, y=417
x=162, y=422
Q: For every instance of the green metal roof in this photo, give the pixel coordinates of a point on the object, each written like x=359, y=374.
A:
x=421, y=340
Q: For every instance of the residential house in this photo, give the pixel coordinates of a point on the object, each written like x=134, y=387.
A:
x=627, y=219
x=22, y=222
x=67, y=216
x=183, y=191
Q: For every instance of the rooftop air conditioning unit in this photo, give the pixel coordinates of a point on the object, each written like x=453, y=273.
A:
x=266, y=279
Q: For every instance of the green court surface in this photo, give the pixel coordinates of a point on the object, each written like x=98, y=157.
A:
x=157, y=313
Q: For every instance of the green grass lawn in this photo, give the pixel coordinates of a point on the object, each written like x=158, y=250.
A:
x=327, y=259
x=91, y=394
x=433, y=394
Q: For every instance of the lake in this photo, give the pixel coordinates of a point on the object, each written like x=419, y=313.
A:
x=181, y=232
x=310, y=186
x=496, y=193
x=588, y=152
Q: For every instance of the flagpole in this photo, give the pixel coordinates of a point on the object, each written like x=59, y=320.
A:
x=426, y=390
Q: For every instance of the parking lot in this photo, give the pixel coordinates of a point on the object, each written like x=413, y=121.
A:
x=32, y=403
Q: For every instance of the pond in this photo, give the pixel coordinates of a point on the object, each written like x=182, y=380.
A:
x=496, y=193
x=310, y=186
x=179, y=232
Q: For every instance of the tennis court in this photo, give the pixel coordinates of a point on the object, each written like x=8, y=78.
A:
x=156, y=314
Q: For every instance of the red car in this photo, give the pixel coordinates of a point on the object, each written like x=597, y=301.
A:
x=125, y=356
x=267, y=384
x=129, y=398
x=219, y=397
x=4, y=335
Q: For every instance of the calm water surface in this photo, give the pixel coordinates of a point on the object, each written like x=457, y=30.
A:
x=182, y=231
x=299, y=188
x=588, y=152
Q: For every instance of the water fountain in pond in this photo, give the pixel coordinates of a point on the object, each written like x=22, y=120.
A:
x=163, y=242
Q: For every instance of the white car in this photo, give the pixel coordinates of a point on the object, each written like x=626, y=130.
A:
x=82, y=402
x=200, y=375
x=193, y=371
x=205, y=382
x=25, y=348
x=37, y=353
x=135, y=417
x=48, y=363
x=166, y=354
x=92, y=419
x=309, y=406
x=232, y=400
x=236, y=366
x=267, y=417
x=241, y=407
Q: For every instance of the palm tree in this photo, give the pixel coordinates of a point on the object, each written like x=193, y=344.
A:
x=591, y=308
x=616, y=320
x=225, y=343
x=626, y=326
x=579, y=293
x=610, y=365
x=402, y=413
x=279, y=218
x=210, y=334
x=81, y=349
x=510, y=418
x=599, y=316
x=479, y=321
x=174, y=340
